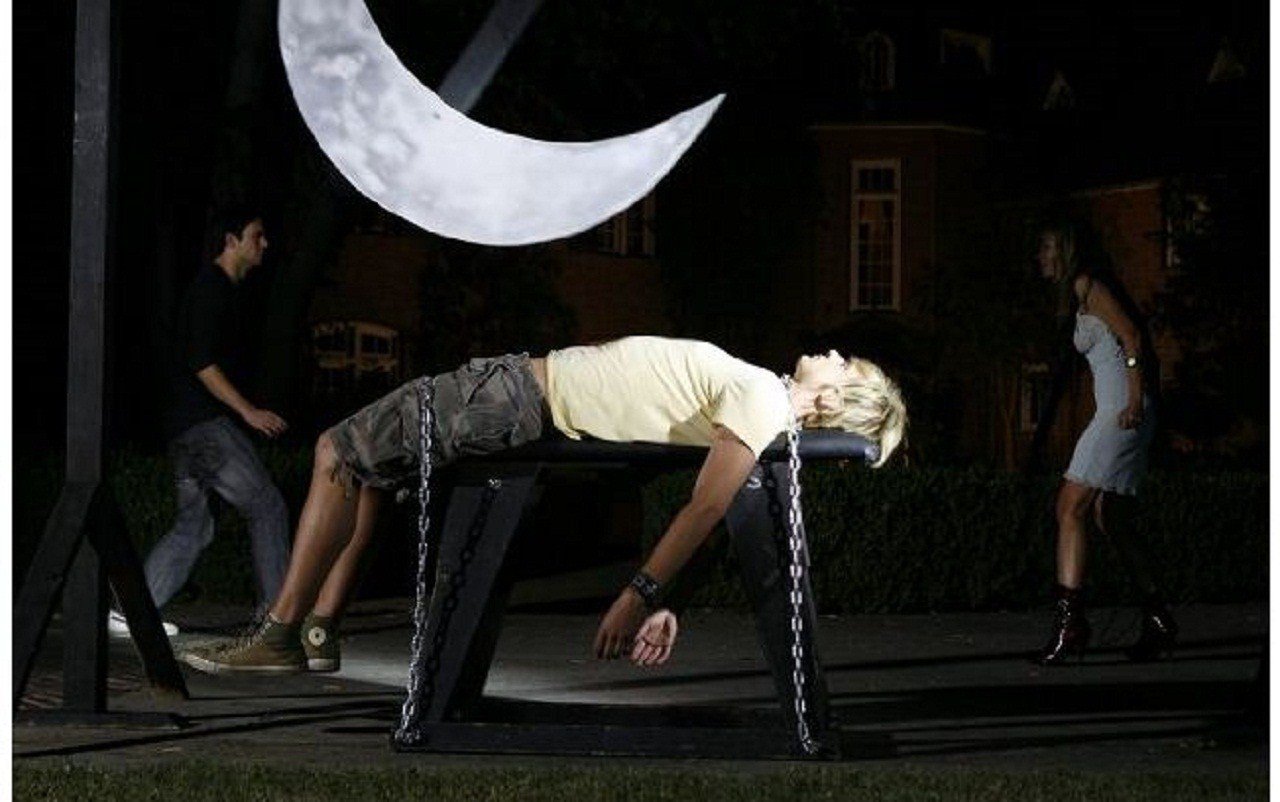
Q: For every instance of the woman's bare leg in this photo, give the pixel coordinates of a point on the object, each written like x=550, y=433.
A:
x=325, y=527
x=346, y=569
x=1070, y=628
x=1074, y=502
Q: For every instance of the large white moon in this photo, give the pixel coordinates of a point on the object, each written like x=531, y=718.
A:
x=410, y=152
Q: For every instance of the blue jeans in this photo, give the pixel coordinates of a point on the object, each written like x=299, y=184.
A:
x=215, y=455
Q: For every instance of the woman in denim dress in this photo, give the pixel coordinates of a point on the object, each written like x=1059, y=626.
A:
x=1110, y=456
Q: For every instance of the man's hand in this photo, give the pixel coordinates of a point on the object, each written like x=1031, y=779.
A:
x=265, y=421
x=655, y=640
x=618, y=627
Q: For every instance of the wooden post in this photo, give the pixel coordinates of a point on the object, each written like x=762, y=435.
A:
x=66, y=562
x=84, y=646
x=474, y=69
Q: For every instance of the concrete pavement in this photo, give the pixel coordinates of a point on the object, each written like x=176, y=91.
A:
x=922, y=690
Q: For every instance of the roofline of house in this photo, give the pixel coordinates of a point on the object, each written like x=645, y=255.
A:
x=1102, y=189
x=1128, y=186
x=956, y=129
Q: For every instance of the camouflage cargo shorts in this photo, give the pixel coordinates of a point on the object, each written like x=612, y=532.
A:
x=486, y=405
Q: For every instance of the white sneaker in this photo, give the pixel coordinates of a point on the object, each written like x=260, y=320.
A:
x=117, y=627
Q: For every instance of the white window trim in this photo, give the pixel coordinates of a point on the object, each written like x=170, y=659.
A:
x=979, y=43
x=649, y=219
x=1226, y=65
x=890, y=67
x=1060, y=94
x=854, y=196
x=1027, y=417
x=354, y=357
x=619, y=230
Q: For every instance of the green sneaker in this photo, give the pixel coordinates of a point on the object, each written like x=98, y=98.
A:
x=272, y=649
x=320, y=643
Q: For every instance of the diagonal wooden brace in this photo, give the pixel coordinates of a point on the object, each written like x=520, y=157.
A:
x=483, y=514
x=757, y=528
x=87, y=514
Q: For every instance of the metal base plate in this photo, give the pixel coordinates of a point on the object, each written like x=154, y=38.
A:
x=506, y=726
x=612, y=741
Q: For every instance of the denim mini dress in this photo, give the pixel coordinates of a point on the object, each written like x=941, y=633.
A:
x=1106, y=456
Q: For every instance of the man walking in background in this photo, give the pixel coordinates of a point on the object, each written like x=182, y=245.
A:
x=208, y=450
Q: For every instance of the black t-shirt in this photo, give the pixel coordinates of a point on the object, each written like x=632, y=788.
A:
x=207, y=332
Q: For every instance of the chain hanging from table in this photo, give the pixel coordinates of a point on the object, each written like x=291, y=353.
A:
x=407, y=733
x=795, y=527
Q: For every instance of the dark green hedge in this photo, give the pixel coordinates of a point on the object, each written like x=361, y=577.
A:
x=889, y=540
x=143, y=485
x=901, y=540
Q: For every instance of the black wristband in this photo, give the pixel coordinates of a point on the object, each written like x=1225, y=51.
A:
x=648, y=588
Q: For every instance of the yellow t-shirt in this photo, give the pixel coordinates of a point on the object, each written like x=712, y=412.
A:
x=659, y=390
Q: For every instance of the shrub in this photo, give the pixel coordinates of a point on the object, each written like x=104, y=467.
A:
x=900, y=540
x=893, y=540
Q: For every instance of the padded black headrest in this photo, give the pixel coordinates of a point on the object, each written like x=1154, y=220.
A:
x=815, y=444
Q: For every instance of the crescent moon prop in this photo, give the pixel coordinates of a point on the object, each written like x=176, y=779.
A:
x=404, y=148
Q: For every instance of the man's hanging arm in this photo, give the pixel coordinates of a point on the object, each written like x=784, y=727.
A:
x=727, y=466
x=729, y=461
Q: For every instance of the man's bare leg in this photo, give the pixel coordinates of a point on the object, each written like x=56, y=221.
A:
x=346, y=569
x=324, y=530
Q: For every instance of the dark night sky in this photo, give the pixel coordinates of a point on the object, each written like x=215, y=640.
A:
x=173, y=65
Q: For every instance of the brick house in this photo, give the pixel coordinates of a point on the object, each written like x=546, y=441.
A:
x=947, y=128
x=367, y=314
x=955, y=132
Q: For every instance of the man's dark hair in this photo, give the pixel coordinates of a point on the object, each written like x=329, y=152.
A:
x=230, y=219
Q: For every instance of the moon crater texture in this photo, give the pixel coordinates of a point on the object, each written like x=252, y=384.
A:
x=403, y=147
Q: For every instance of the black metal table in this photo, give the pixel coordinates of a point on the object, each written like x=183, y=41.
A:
x=486, y=506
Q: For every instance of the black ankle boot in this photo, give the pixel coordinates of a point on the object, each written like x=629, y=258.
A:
x=1159, y=632
x=1070, y=628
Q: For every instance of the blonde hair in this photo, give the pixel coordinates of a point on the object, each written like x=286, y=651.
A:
x=872, y=407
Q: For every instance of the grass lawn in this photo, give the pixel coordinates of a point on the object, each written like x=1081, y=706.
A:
x=224, y=782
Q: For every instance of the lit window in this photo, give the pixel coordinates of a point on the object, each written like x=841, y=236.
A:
x=331, y=339
x=876, y=236
x=352, y=355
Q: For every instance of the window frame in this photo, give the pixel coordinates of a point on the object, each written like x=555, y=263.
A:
x=613, y=235
x=958, y=38
x=889, y=70
x=855, y=195
x=1030, y=372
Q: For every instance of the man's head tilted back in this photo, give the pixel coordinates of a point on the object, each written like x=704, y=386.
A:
x=854, y=395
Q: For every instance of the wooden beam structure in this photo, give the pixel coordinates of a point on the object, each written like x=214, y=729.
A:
x=85, y=541
x=489, y=500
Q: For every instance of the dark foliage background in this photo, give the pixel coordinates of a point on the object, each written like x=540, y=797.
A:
x=891, y=540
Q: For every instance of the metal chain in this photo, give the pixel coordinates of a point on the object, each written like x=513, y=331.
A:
x=429, y=664
x=406, y=733
x=795, y=525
